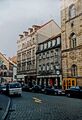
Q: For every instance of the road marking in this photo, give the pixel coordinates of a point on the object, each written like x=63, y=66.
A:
x=37, y=100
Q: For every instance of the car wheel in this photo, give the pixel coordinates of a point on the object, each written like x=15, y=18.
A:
x=56, y=93
x=19, y=95
x=68, y=95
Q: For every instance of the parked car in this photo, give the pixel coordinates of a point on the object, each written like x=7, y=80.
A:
x=74, y=91
x=36, y=88
x=49, y=90
x=59, y=91
x=3, y=89
x=25, y=87
x=14, y=88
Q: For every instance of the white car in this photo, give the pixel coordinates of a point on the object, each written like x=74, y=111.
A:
x=14, y=88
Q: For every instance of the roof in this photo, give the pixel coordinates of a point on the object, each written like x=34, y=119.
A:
x=54, y=36
x=7, y=59
x=39, y=27
x=48, y=23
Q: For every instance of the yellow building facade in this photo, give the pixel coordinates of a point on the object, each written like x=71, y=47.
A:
x=71, y=34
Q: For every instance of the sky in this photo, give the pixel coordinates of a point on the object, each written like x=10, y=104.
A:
x=17, y=16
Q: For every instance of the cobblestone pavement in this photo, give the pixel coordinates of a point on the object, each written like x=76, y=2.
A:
x=34, y=106
x=3, y=104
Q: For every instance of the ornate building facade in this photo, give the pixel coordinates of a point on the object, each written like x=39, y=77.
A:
x=49, y=62
x=71, y=34
x=27, y=45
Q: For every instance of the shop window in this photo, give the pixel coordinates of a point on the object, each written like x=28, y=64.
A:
x=73, y=82
x=69, y=83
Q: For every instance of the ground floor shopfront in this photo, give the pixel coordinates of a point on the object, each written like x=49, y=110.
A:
x=49, y=81
x=68, y=82
x=29, y=79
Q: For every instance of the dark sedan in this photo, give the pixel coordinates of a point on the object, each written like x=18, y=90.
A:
x=3, y=89
x=49, y=90
x=36, y=88
x=74, y=91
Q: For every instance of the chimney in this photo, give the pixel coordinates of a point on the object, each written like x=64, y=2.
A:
x=21, y=36
x=25, y=33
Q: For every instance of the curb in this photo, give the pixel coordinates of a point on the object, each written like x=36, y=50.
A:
x=7, y=109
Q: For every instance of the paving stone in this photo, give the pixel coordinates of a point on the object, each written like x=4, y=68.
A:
x=51, y=108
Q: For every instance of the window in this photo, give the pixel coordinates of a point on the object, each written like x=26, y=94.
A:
x=45, y=45
x=52, y=53
x=44, y=55
x=39, y=67
x=58, y=41
x=73, y=40
x=74, y=70
x=47, y=54
x=47, y=67
x=51, y=66
x=56, y=52
x=57, y=67
x=33, y=40
x=53, y=42
x=41, y=46
x=72, y=11
x=43, y=67
x=49, y=44
x=40, y=56
x=73, y=82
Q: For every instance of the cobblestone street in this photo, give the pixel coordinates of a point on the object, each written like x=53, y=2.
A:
x=33, y=106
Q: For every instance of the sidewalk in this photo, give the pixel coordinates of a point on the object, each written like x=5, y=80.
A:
x=4, y=106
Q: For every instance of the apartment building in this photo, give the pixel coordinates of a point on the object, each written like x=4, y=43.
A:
x=6, y=69
x=49, y=62
x=27, y=46
x=26, y=59
x=71, y=34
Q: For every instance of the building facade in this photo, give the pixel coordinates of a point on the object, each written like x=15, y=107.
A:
x=49, y=62
x=6, y=69
x=71, y=34
x=27, y=46
x=26, y=57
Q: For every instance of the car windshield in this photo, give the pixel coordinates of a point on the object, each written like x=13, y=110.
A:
x=15, y=85
x=3, y=86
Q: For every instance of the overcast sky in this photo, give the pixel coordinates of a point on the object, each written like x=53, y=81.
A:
x=17, y=15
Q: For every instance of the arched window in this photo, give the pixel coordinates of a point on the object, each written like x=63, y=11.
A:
x=74, y=70
x=73, y=42
x=72, y=11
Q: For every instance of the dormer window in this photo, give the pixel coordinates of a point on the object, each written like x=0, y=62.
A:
x=45, y=45
x=58, y=41
x=41, y=47
x=49, y=44
x=53, y=42
x=72, y=11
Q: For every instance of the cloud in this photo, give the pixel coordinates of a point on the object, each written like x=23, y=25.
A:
x=17, y=15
